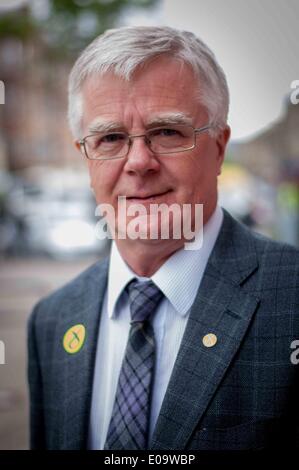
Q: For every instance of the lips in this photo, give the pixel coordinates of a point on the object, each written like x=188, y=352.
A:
x=146, y=197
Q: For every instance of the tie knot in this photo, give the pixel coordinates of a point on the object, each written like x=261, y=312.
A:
x=144, y=299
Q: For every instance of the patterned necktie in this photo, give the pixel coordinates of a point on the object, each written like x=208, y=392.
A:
x=129, y=423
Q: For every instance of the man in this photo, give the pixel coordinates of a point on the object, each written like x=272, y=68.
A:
x=159, y=346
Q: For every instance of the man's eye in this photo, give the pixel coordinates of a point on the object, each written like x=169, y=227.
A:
x=111, y=138
x=166, y=132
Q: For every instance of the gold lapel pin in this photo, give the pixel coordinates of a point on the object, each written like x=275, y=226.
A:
x=74, y=338
x=209, y=340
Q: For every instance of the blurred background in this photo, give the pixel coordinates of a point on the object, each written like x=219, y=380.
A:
x=47, y=217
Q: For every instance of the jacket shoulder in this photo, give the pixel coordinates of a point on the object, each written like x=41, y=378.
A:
x=262, y=245
x=269, y=248
x=81, y=287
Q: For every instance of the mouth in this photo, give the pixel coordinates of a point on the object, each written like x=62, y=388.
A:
x=147, y=197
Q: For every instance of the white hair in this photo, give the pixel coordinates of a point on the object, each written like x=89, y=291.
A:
x=122, y=50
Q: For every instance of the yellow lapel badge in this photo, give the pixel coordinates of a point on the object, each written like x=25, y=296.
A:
x=74, y=338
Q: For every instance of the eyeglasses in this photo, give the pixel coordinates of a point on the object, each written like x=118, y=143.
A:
x=165, y=140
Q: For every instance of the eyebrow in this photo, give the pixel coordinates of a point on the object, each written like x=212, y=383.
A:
x=104, y=126
x=169, y=118
x=155, y=121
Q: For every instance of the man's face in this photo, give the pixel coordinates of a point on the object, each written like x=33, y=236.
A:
x=164, y=87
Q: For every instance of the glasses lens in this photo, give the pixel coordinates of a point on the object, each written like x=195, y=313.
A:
x=171, y=139
x=105, y=146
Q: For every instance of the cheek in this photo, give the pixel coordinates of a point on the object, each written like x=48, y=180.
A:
x=199, y=177
x=94, y=169
x=191, y=175
x=99, y=180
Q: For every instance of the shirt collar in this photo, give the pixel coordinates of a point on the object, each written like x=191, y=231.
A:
x=178, y=278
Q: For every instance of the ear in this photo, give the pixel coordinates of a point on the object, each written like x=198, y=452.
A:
x=221, y=141
x=77, y=145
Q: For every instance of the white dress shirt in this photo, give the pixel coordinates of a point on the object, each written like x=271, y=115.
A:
x=179, y=279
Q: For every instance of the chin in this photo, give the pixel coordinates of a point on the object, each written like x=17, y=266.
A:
x=141, y=228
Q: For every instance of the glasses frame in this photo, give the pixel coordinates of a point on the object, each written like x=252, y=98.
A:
x=196, y=130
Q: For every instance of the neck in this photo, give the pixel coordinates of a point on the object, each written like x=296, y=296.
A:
x=144, y=258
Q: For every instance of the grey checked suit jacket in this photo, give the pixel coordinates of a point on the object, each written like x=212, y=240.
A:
x=241, y=394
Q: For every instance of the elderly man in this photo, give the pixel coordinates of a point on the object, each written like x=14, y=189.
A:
x=159, y=346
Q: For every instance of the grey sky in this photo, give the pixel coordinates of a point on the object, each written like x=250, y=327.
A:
x=257, y=44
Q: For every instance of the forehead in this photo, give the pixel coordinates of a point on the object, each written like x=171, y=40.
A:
x=162, y=86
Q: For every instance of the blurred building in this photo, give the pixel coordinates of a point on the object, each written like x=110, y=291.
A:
x=273, y=156
x=274, y=153
x=33, y=120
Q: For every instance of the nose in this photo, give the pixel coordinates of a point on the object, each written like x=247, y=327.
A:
x=140, y=159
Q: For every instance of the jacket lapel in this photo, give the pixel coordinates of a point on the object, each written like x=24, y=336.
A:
x=223, y=308
x=77, y=369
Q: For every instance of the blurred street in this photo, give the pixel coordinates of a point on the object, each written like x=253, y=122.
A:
x=22, y=283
